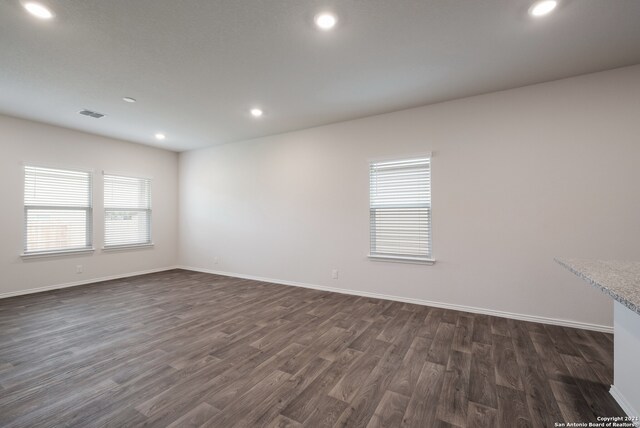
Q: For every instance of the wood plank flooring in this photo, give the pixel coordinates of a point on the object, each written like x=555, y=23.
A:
x=186, y=349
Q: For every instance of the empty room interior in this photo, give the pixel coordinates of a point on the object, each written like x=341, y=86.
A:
x=320, y=213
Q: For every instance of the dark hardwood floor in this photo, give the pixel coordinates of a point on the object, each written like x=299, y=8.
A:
x=181, y=349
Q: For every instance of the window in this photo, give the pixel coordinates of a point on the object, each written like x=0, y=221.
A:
x=57, y=210
x=127, y=211
x=400, y=210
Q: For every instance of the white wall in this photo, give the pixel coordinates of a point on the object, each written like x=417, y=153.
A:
x=626, y=377
x=519, y=177
x=23, y=141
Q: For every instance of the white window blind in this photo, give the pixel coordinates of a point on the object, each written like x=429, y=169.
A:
x=57, y=210
x=127, y=211
x=400, y=209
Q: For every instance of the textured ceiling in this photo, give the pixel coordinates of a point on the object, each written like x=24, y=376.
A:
x=197, y=66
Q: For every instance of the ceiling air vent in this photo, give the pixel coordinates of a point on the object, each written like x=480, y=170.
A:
x=90, y=113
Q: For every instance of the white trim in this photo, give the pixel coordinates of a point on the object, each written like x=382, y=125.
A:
x=622, y=402
x=127, y=247
x=401, y=259
x=503, y=314
x=83, y=282
x=126, y=175
x=472, y=309
x=61, y=167
x=394, y=158
x=57, y=253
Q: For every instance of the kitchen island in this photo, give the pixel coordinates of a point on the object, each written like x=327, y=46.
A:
x=621, y=281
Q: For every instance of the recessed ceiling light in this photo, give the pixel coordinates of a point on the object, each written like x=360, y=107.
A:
x=325, y=21
x=160, y=136
x=256, y=112
x=129, y=100
x=542, y=8
x=38, y=10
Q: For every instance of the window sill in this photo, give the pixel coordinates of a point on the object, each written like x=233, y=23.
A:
x=44, y=254
x=127, y=247
x=400, y=259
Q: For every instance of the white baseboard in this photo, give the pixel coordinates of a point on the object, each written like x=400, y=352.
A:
x=472, y=309
x=83, y=282
x=503, y=314
x=628, y=409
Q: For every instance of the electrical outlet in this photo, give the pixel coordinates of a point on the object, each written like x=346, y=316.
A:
x=79, y=269
x=334, y=274
x=215, y=260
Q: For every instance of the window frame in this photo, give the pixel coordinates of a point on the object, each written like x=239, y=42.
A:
x=148, y=211
x=89, y=223
x=401, y=258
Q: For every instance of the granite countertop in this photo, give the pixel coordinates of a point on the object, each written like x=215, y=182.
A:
x=618, y=279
